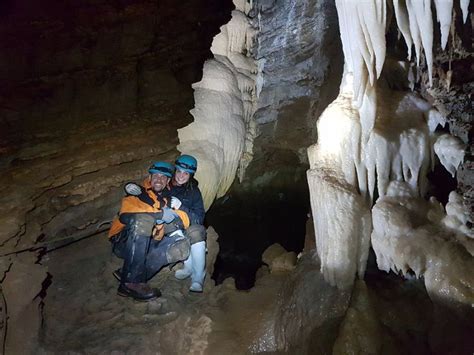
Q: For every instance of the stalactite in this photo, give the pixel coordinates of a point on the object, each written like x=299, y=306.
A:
x=363, y=40
x=421, y=24
x=450, y=151
x=444, y=9
x=352, y=167
x=371, y=138
x=401, y=15
x=465, y=9
x=362, y=26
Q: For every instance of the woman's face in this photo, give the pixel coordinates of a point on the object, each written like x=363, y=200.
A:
x=181, y=177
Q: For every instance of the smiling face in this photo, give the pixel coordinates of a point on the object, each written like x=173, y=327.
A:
x=180, y=177
x=159, y=182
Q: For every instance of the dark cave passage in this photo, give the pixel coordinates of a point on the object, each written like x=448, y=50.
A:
x=248, y=222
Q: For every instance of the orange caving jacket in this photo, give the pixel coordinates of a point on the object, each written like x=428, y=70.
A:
x=133, y=204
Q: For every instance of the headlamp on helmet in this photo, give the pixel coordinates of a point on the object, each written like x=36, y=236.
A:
x=186, y=163
x=163, y=168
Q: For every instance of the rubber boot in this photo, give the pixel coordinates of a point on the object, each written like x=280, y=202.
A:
x=186, y=271
x=198, y=255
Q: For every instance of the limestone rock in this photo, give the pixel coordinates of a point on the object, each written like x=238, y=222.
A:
x=291, y=61
x=308, y=309
x=278, y=259
x=360, y=332
x=93, y=86
x=22, y=290
x=261, y=272
x=272, y=252
x=221, y=136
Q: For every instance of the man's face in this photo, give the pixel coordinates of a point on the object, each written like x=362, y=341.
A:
x=181, y=177
x=159, y=182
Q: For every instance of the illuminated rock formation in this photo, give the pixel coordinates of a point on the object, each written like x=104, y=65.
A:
x=371, y=138
x=221, y=136
x=410, y=236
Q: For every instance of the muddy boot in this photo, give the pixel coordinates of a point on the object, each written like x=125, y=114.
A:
x=138, y=291
x=186, y=271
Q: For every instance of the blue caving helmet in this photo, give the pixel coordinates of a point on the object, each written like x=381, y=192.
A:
x=186, y=163
x=162, y=167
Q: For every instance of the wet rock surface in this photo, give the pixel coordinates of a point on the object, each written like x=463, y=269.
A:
x=93, y=92
x=286, y=312
x=297, y=47
x=25, y=285
x=83, y=313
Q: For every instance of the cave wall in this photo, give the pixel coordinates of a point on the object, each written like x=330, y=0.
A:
x=299, y=55
x=299, y=58
x=298, y=45
x=95, y=91
x=91, y=93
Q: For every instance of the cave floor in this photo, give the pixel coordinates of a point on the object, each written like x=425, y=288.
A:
x=83, y=314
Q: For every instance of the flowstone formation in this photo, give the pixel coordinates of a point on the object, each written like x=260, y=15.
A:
x=416, y=237
x=376, y=143
x=221, y=136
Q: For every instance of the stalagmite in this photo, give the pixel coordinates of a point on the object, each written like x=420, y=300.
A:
x=221, y=136
x=457, y=217
x=340, y=214
x=342, y=226
x=409, y=238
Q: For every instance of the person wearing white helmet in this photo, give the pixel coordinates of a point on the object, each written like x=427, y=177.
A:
x=184, y=194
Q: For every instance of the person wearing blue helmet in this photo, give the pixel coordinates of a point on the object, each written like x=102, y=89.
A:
x=184, y=194
x=147, y=234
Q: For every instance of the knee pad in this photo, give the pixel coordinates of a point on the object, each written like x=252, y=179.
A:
x=170, y=228
x=141, y=224
x=196, y=233
x=178, y=251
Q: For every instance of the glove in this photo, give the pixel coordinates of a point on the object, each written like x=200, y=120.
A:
x=178, y=233
x=175, y=203
x=133, y=189
x=168, y=216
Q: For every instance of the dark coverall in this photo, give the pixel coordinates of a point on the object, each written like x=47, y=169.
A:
x=192, y=204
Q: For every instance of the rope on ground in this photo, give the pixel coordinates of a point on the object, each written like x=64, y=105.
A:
x=54, y=244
